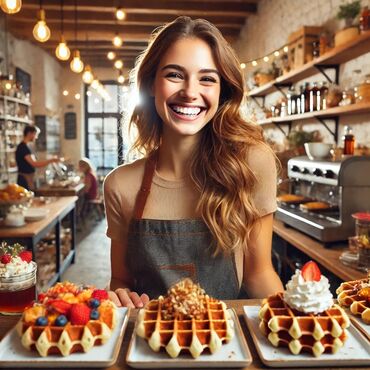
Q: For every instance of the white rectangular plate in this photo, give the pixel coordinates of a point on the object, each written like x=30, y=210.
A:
x=355, y=352
x=233, y=354
x=13, y=354
x=358, y=322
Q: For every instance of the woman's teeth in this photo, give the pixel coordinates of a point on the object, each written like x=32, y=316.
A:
x=186, y=110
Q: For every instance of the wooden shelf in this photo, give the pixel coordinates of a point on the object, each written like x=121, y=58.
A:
x=359, y=108
x=15, y=100
x=16, y=119
x=335, y=56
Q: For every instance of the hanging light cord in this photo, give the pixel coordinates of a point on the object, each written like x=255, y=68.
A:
x=61, y=17
x=6, y=45
x=76, y=23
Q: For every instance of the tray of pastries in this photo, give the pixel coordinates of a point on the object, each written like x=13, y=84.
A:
x=317, y=206
x=292, y=199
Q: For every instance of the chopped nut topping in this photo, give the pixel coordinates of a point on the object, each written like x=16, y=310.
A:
x=184, y=300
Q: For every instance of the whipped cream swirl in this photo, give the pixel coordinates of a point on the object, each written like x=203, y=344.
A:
x=308, y=296
x=16, y=267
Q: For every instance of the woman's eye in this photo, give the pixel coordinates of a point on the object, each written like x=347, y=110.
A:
x=208, y=79
x=174, y=75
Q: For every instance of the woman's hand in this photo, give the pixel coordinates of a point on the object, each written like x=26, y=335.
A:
x=123, y=297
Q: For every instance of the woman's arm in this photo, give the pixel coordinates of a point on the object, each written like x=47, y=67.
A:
x=259, y=277
x=121, y=280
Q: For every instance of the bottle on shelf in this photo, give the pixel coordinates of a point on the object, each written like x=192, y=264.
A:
x=313, y=97
x=322, y=93
x=305, y=98
x=365, y=19
x=348, y=141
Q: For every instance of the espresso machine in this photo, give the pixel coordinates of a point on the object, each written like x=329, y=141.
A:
x=343, y=184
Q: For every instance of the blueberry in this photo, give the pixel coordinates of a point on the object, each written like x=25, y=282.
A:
x=61, y=320
x=94, y=315
x=94, y=303
x=41, y=321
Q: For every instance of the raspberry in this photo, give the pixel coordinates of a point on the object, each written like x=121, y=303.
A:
x=26, y=256
x=100, y=294
x=6, y=258
x=79, y=314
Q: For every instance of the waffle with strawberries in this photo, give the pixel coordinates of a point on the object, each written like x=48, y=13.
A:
x=356, y=295
x=315, y=333
x=186, y=319
x=67, y=319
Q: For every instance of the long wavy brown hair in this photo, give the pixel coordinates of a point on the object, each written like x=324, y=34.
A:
x=219, y=166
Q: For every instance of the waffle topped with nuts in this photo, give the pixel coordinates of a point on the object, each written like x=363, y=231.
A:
x=185, y=320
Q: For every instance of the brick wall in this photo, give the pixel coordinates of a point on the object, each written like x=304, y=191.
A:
x=269, y=29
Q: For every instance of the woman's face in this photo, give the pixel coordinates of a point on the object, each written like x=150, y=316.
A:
x=187, y=87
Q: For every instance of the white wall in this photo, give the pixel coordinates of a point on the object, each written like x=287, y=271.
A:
x=269, y=30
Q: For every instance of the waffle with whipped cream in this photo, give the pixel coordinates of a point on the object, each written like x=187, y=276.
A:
x=304, y=318
x=186, y=319
x=356, y=295
x=67, y=319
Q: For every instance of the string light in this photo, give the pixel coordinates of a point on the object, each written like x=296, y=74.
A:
x=120, y=14
x=95, y=84
x=254, y=63
x=41, y=32
x=77, y=64
x=242, y=65
x=266, y=59
x=11, y=6
x=65, y=92
x=277, y=53
x=77, y=96
x=62, y=51
x=111, y=55
x=118, y=64
x=120, y=78
x=286, y=48
x=117, y=41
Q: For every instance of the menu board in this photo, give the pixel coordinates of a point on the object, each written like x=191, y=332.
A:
x=70, y=131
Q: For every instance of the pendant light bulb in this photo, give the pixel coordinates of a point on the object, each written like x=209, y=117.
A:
x=11, y=6
x=120, y=14
x=76, y=64
x=118, y=64
x=62, y=51
x=95, y=84
x=111, y=55
x=41, y=32
x=87, y=76
x=117, y=41
x=121, y=78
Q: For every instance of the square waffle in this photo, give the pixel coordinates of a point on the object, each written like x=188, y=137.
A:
x=175, y=330
x=67, y=319
x=302, y=332
x=356, y=295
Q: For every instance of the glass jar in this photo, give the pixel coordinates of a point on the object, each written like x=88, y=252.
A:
x=362, y=91
x=17, y=291
x=363, y=239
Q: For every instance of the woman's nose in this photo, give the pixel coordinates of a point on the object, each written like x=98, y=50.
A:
x=189, y=90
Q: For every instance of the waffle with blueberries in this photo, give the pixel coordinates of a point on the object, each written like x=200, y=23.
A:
x=67, y=319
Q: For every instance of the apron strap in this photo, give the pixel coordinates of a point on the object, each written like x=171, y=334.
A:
x=146, y=184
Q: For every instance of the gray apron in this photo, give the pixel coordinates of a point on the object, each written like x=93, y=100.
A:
x=161, y=252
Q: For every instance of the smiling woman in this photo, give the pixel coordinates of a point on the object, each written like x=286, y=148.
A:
x=200, y=203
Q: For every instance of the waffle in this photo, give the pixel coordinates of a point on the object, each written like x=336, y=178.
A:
x=166, y=324
x=302, y=332
x=51, y=338
x=356, y=295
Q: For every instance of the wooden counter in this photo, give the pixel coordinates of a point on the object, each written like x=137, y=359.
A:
x=327, y=257
x=32, y=232
x=55, y=191
x=7, y=322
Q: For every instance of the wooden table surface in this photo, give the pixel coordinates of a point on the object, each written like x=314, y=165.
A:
x=49, y=191
x=327, y=257
x=30, y=229
x=7, y=322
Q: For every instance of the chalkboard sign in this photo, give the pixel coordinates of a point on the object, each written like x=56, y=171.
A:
x=24, y=79
x=70, y=131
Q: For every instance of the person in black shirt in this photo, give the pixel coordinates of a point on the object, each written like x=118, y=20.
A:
x=26, y=160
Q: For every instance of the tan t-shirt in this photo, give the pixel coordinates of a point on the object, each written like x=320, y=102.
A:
x=176, y=200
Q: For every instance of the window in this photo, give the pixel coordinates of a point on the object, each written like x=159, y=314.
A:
x=103, y=134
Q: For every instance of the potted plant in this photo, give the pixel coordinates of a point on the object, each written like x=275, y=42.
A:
x=348, y=12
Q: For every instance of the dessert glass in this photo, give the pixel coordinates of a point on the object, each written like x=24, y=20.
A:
x=363, y=239
x=17, y=291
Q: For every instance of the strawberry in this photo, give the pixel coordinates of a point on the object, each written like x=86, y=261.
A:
x=311, y=272
x=100, y=294
x=5, y=258
x=79, y=314
x=59, y=305
x=41, y=297
x=26, y=256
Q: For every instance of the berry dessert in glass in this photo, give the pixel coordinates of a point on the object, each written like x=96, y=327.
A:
x=17, y=279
